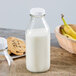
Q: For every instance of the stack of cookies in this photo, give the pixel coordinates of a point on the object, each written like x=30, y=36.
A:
x=16, y=46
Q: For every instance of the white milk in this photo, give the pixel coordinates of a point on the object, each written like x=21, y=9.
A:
x=37, y=50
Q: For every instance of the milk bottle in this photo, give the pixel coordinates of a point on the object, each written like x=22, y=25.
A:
x=38, y=42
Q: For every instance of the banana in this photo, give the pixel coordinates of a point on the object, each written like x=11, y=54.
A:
x=68, y=29
x=63, y=32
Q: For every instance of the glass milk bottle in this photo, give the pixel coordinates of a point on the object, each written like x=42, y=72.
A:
x=38, y=42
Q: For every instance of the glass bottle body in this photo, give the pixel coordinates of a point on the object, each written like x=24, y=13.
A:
x=38, y=45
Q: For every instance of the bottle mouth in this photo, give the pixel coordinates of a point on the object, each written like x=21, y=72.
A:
x=37, y=15
x=37, y=12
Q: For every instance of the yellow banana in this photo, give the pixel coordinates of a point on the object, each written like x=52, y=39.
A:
x=68, y=29
x=63, y=32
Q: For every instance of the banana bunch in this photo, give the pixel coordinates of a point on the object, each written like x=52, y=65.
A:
x=67, y=30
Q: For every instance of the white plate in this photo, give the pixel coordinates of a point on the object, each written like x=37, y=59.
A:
x=15, y=56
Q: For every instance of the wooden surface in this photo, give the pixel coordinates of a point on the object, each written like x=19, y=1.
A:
x=63, y=63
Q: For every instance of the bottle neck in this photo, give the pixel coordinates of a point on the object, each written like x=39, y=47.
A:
x=38, y=22
x=37, y=17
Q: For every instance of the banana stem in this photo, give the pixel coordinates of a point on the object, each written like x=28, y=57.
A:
x=62, y=16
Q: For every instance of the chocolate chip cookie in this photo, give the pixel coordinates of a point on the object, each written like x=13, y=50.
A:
x=16, y=45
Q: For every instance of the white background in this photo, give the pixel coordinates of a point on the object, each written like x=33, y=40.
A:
x=15, y=13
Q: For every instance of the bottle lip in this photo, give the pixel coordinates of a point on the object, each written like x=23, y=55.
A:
x=37, y=12
x=37, y=16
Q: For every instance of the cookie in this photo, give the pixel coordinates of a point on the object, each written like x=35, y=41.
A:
x=16, y=45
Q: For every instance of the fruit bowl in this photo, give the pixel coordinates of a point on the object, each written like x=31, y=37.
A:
x=66, y=43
